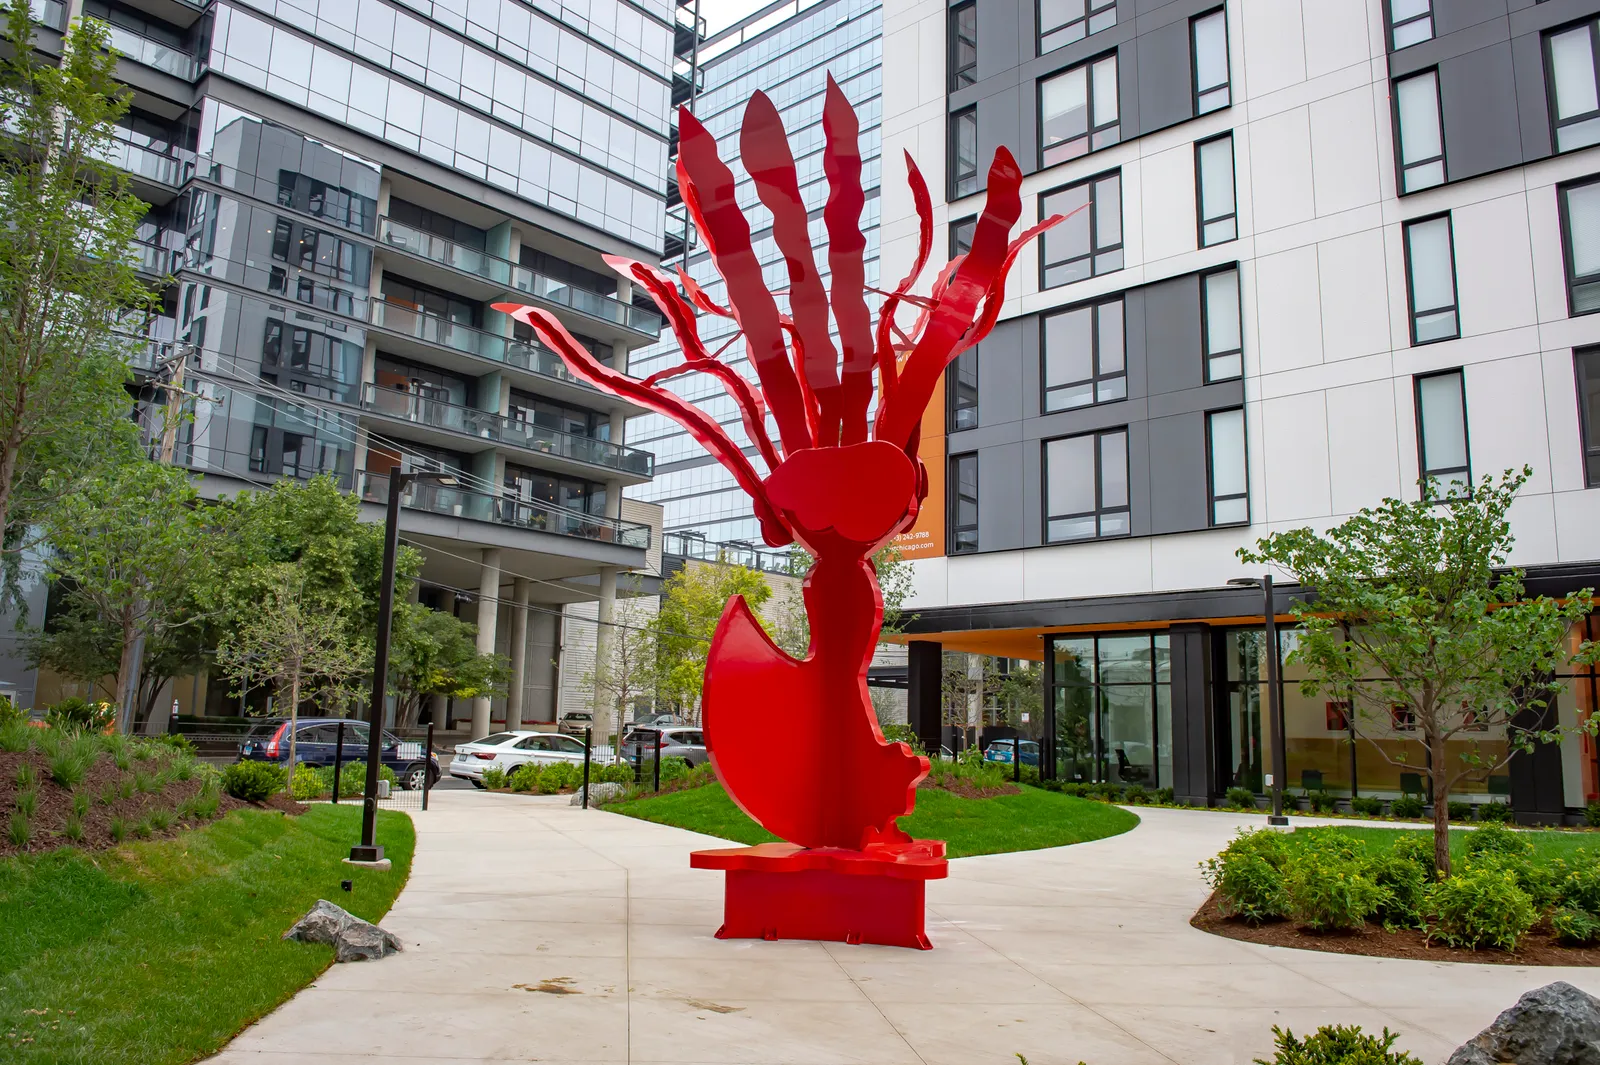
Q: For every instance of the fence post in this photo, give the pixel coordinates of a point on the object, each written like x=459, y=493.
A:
x=338, y=759
x=658, y=760
x=587, y=738
x=427, y=766
x=1016, y=759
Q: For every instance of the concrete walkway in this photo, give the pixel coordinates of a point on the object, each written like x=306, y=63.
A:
x=538, y=932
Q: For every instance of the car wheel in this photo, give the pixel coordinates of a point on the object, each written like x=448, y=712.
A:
x=414, y=778
x=477, y=783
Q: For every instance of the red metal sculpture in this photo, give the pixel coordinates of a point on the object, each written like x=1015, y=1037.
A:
x=839, y=483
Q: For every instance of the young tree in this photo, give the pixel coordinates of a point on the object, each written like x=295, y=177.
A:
x=692, y=601
x=629, y=670
x=67, y=279
x=129, y=551
x=1414, y=612
x=434, y=653
x=790, y=627
x=970, y=683
x=291, y=644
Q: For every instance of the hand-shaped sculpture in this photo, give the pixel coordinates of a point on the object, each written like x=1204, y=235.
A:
x=840, y=487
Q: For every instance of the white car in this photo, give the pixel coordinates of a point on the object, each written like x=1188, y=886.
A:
x=507, y=750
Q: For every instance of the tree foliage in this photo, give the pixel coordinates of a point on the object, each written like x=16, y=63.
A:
x=790, y=625
x=1416, y=616
x=628, y=668
x=692, y=601
x=434, y=653
x=67, y=278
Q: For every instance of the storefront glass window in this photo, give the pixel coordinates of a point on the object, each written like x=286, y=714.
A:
x=1113, y=716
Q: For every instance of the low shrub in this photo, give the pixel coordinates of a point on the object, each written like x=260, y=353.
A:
x=16, y=737
x=74, y=713
x=177, y=741
x=671, y=769
x=118, y=829
x=1496, y=812
x=1166, y=797
x=80, y=804
x=898, y=734
x=1328, y=890
x=1479, y=907
x=143, y=829
x=494, y=778
x=1460, y=811
x=353, y=777
x=1068, y=787
x=1136, y=795
x=73, y=829
x=27, y=802
x=1337, y=1045
x=559, y=776
x=1497, y=839
x=310, y=783
x=26, y=777
x=1580, y=888
x=1415, y=847
x=20, y=831
x=160, y=820
x=1105, y=790
x=150, y=783
x=1248, y=876
x=1575, y=927
x=524, y=777
x=1323, y=802
x=615, y=773
x=1240, y=798
x=1408, y=806
x=10, y=712
x=1591, y=814
x=1404, y=884
x=1366, y=806
x=252, y=781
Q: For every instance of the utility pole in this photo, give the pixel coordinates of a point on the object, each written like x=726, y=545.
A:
x=172, y=380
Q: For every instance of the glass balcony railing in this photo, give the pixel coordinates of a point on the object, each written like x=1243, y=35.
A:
x=523, y=354
x=508, y=510
x=165, y=169
x=437, y=414
x=502, y=272
x=154, y=259
x=166, y=58
x=687, y=545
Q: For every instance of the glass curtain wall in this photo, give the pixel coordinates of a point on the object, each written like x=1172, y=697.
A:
x=1112, y=708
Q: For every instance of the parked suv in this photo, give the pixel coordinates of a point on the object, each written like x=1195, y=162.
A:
x=317, y=737
x=681, y=741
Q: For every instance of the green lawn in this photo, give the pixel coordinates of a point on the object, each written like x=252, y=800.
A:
x=1022, y=822
x=161, y=952
x=1545, y=844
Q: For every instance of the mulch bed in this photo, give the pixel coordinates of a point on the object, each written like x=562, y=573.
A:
x=280, y=801
x=1538, y=947
x=963, y=788
x=55, y=804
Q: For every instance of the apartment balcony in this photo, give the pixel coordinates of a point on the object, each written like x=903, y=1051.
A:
x=155, y=261
x=509, y=511
x=446, y=423
x=156, y=55
x=489, y=277
x=157, y=177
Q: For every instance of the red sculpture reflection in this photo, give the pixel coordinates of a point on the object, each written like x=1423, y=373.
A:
x=839, y=483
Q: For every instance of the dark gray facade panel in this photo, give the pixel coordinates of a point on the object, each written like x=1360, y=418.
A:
x=1001, y=376
x=1177, y=500
x=1171, y=325
x=1482, y=131
x=1001, y=492
x=1165, y=92
x=1141, y=453
x=1003, y=32
x=1533, y=109
x=1484, y=18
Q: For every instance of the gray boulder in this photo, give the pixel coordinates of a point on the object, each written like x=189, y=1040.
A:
x=352, y=938
x=1557, y=1024
x=598, y=793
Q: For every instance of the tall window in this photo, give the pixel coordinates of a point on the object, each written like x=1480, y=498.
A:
x=1213, y=170
x=1078, y=111
x=963, y=491
x=1064, y=21
x=1084, y=356
x=1219, y=312
x=963, y=153
x=963, y=388
x=1086, y=486
x=1421, y=136
x=961, y=231
x=1112, y=712
x=964, y=45
x=1574, y=96
x=1442, y=431
x=1209, y=36
x=1580, y=235
x=1089, y=242
x=1587, y=364
x=1431, y=280
x=1229, y=483
x=1410, y=22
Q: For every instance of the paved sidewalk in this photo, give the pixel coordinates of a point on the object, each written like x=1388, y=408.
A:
x=535, y=931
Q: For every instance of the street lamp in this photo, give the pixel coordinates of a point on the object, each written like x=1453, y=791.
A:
x=1274, y=699
x=368, y=850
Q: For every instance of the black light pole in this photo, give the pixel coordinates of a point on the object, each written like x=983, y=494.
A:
x=368, y=850
x=1280, y=757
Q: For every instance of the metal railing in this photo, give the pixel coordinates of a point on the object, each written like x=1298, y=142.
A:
x=439, y=414
x=166, y=58
x=508, y=510
x=686, y=545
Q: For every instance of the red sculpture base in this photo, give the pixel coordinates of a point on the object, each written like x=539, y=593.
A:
x=784, y=891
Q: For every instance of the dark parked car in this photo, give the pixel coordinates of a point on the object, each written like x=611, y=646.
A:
x=316, y=739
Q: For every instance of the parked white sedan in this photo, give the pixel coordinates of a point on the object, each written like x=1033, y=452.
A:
x=507, y=750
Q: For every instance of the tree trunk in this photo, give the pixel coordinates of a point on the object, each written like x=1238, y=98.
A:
x=1441, y=806
x=294, y=719
x=126, y=679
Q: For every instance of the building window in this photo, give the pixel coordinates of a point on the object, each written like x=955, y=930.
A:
x=1112, y=712
x=1086, y=486
x=1219, y=319
x=1089, y=242
x=1421, y=136
x=1229, y=481
x=1213, y=170
x=1587, y=361
x=963, y=503
x=1209, y=36
x=1064, y=21
x=961, y=231
x=1078, y=111
x=1442, y=432
x=1410, y=22
x=963, y=389
x=1431, y=280
x=1084, y=357
x=964, y=153
x=1574, y=95
x=1580, y=235
x=963, y=45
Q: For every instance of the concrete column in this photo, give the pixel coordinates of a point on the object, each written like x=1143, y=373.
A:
x=488, y=612
x=602, y=642
x=519, y=651
x=924, y=697
x=385, y=191
x=613, y=499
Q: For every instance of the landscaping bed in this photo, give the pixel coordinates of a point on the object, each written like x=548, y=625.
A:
x=160, y=952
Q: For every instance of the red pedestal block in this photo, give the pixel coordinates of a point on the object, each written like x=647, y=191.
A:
x=782, y=891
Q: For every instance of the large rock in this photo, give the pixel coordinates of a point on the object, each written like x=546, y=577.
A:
x=352, y=938
x=1557, y=1024
x=598, y=793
